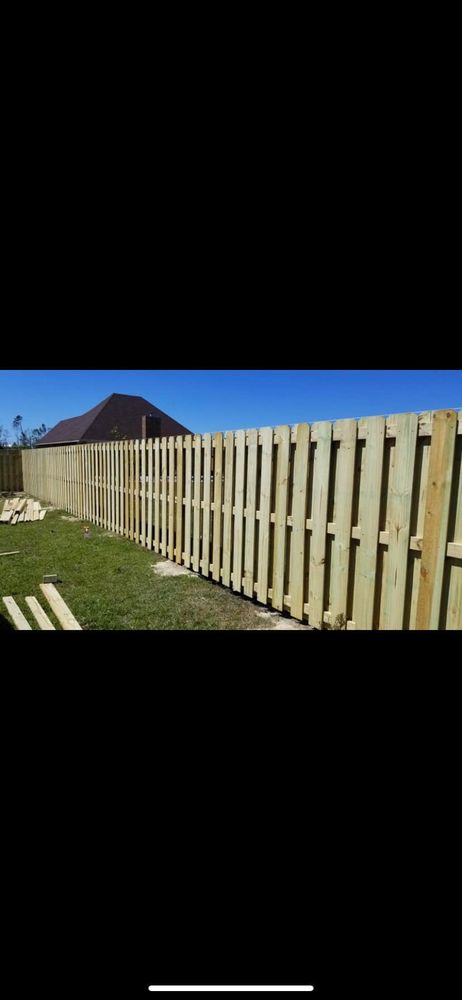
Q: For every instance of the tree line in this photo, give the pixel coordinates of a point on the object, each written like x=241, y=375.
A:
x=22, y=437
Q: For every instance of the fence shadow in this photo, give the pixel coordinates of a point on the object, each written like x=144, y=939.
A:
x=5, y=625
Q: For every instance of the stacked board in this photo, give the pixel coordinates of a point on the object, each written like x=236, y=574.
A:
x=20, y=509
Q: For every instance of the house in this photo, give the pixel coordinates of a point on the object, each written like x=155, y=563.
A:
x=117, y=418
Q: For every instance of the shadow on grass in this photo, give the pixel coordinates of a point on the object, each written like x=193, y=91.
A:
x=5, y=625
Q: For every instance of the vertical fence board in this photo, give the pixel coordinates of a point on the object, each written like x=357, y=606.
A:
x=297, y=578
x=171, y=498
x=143, y=492
x=179, y=500
x=228, y=508
x=157, y=495
x=265, y=514
x=150, y=491
x=188, y=501
x=444, y=428
x=369, y=510
x=321, y=473
x=251, y=511
x=164, y=498
x=197, y=502
x=346, y=432
x=454, y=613
x=137, y=491
x=400, y=519
x=280, y=519
x=239, y=511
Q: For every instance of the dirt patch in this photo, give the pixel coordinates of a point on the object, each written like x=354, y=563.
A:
x=168, y=568
x=281, y=624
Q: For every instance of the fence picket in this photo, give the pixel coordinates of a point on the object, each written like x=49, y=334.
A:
x=228, y=508
x=265, y=514
x=179, y=500
x=400, y=519
x=251, y=511
x=239, y=511
x=280, y=521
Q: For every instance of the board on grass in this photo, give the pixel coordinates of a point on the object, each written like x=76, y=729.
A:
x=16, y=615
x=60, y=608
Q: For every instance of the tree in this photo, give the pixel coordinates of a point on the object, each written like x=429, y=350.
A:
x=3, y=437
x=27, y=438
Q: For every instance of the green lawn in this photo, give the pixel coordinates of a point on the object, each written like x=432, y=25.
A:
x=108, y=582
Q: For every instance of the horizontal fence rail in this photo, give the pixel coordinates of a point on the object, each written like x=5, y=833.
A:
x=353, y=524
x=10, y=470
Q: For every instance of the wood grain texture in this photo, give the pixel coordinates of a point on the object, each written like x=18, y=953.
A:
x=444, y=429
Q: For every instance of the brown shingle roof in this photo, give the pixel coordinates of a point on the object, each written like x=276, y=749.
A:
x=117, y=410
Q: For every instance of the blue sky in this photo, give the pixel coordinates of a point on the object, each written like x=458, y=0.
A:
x=230, y=400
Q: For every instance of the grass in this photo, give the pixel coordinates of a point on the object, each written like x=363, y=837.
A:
x=109, y=583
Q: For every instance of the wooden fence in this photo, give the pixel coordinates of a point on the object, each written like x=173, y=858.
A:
x=355, y=524
x=10, y=470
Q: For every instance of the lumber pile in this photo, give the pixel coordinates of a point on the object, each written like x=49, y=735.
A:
x=18, y=509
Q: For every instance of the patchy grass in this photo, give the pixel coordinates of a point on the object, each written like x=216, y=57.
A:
x=108, y=582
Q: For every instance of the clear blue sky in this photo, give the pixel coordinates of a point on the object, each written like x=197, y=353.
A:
x=230, y=400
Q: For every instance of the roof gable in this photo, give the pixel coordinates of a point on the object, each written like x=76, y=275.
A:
x=119, y=411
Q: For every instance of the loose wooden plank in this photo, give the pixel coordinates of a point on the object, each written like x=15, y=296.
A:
x=406, y=425
x=238, y=540
x=217, y=504
x=251, y=510
x=179, y=500
x=6, y=516
x=60, y=608
x=188, y=500
x=43, y=620
x=197, y=502
x=16, y=553
x=280, y=520
x=16, y=615
x=265, y=513
x=321, y=473
x=345, y=431
x=228, y=508
x=298, y=540
x=369, y=514
x=444, y=429
x=42, y=515
x=36, y=510
x=171, y=498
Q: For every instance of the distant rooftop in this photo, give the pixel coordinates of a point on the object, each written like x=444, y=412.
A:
x=116, y=417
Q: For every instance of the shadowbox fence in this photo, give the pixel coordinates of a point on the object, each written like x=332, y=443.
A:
x=10, y=470
x=353, y=524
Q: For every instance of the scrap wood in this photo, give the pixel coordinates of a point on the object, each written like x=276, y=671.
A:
x=9, y=553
